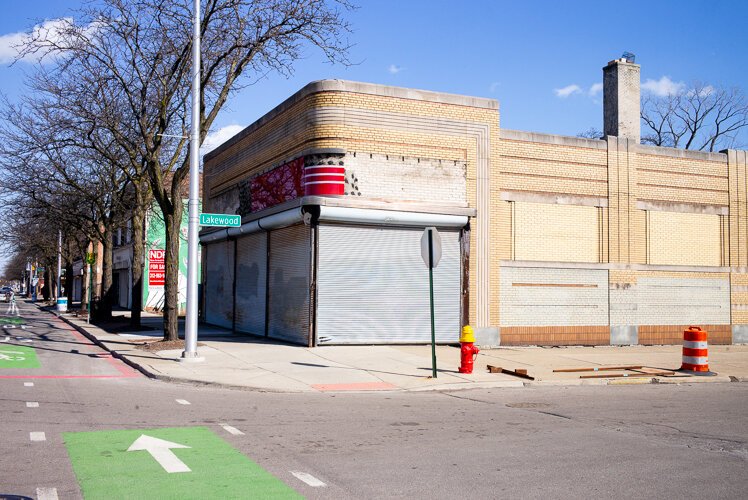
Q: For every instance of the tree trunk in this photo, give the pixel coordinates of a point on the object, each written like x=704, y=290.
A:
x=86, y=278
x=172, y=224
x=68, y=287
x=106, y=301
x=138, y=259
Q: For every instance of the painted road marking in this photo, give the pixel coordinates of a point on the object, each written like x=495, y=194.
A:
x=183, y=401
x=215, y=468
x=32, y=404
x=17, y=356
x=37, y=436
x=161, y=452
x=232, y=430
x=308, y=479
x=46, y=494
x=28, y=384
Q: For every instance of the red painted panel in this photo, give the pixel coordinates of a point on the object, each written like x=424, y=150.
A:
x=281, y=184
x=324, y=180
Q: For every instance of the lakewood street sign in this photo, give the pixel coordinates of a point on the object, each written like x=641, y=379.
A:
x=220, y=220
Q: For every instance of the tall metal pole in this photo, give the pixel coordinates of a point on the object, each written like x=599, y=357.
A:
x=59, y=264
x=190, y=326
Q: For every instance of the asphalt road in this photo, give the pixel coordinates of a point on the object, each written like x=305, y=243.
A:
x=582, y=442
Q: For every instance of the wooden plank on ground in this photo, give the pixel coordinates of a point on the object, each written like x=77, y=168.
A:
x=519, y=372
x=598, y=368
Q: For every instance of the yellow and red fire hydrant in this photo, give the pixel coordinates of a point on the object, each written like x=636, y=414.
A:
x=468, y=351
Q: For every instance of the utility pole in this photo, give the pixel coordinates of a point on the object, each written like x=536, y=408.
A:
x=190, y=323
x=59, y=263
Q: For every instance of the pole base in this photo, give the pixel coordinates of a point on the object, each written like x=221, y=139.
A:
x=191, y=357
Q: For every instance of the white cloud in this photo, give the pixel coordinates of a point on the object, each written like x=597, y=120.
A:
x=662, y=87
x=568, y=90
x=595, y=89
x=49, y=30
x=215, y=139
x=494, y=86
x=395, y=69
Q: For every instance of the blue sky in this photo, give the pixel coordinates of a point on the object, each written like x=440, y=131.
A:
x=540, y=59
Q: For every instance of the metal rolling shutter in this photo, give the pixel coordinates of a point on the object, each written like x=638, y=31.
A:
x=373, y=287
x=289, y=270
x=251, y=272
x=219, y=284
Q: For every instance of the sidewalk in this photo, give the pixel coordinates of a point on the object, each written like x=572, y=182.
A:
x=257, y=364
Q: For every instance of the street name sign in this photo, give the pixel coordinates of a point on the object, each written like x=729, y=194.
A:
x=220, y=220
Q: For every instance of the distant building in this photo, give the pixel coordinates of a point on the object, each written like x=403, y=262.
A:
x=546, y=239
x=122, y=264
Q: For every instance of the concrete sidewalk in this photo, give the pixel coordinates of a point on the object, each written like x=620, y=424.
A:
x=258, y=364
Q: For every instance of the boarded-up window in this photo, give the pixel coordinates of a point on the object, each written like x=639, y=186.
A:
x=684, y=239
x=547, y=232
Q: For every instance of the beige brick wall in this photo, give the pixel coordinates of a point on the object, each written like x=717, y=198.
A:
x=564, y=233
x=684, y=239
x=701, y=196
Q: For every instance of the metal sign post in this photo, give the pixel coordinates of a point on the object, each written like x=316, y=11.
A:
x=190, y=321
x=90, y=259
x=431, y=252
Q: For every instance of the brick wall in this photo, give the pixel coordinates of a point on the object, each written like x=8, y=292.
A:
x=566, y=233
x=405, y=178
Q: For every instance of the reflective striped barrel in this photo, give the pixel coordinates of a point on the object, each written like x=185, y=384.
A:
x=695, y=350
x=324, y=180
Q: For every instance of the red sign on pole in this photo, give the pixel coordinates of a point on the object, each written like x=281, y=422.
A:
x=156, y=267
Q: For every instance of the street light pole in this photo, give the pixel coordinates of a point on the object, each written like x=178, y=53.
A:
x=190, y=324
x=59, y=264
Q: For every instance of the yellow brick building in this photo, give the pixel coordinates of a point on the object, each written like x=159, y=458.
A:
x=546, y=239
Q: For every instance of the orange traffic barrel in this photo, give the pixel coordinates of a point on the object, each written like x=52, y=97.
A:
x=695, y=351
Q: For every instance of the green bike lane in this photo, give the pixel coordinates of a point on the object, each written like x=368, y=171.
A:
x=38, y=351
x=166, y=463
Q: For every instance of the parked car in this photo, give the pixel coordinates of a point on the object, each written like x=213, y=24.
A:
x=7, y=293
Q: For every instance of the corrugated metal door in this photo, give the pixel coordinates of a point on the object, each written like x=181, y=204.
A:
x=219, y=284
x=251, y=276
x=289, y=276
x=373, y=287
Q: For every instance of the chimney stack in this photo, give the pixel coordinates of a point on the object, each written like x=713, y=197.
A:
x=621, y=98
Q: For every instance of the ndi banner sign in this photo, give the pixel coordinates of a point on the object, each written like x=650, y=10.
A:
x=156, y=267
x=220, y=220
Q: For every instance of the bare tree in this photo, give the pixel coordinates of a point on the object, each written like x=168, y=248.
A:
x=143, y=49
x=591, y=133
x=700, y=117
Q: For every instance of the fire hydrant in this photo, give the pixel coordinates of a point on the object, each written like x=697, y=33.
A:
x=468, y=351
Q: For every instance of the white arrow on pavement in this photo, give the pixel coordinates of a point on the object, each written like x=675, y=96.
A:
x=160, y=450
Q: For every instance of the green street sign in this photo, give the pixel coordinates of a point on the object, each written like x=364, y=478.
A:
x=220, y=220
x=182, y=462
x=90, y=258
x=16, y=356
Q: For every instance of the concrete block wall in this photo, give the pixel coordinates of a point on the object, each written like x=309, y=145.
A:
x=554, y=297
